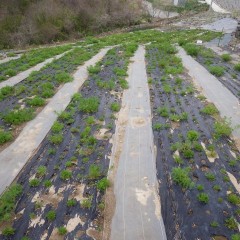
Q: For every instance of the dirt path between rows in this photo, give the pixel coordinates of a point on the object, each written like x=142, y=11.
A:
x=138, y=211
x=23, y=75
x=7, y=59
x=14, y=157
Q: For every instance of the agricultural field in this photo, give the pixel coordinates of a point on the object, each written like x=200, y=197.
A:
x=60, y=192
x=222, y=66
x=196, y=157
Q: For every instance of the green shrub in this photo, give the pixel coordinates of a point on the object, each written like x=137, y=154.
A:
x=86, y=203
x=71, y=202
x=216, y=188
x=10, y=72
x=203, y=198
x=47, y=183
x=94, y=171
x=200, y=188
x=163, y=111
x=103, y=184
x=41, y=171
x=6, y=92
x=89, y=105
x=192, y=135
x=115, y=107
x=210, y=176
x=120, y=72
x=8, y=231
x=188, y=153
x=226, y=57
x=237, y=67
x=181, y=177
x=62, y=230
x=65, y=175
x=5, y=136
x=36, y=101
x=8, y=201
x=233, y=198
x=231, y=223
x=218, y=71
x=34, y=182
x=159, y=126
x=94, y=69
x=63, y=77
x=19, y=116
x=214, y=224
x=197, y=147
x=178, y=160
x=210, y=109
x=56, y=138
x=222, y=129
x=235, y=236
x=192, y=49
x=51, y=215
x=57, y=127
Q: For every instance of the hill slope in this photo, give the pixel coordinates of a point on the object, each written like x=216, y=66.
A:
x=31, y=21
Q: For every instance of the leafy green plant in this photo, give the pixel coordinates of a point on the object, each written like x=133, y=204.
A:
x=203, y=198
x=216, y=188
x=47, y=183
x=19, y=116
x=5, y=136
x=237, y=67
x=8, y=231
x=200, y=188
x=63, y=77
x=71, y=202
x=235, y=236
x=188, y=153
x=94, y=171
x=87, y=203
x=159, y=126
x=181, y=177
x=231, y=223
x=115, y=107
x=62, y=230
x=232, y=163
x=233, y=198
x=34, y=182
x=51, y=215
x=56, y=138
x=8, y=201
x=216, y=70
x=192, y=49
x=192, y=135
x=41, y=171
x=210, y=109
x=57, y=127
x=178, y=159
x=94, y=69
x=226, y=57
x=88, y=105
x=163, y=111
x=210, y=176
x=103, y=184
x=6, y=92
x=214, y=224
x=222, y=129
x=65, y=175
x=36, y=101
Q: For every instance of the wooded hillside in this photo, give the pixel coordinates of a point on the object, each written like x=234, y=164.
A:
x=43, y=21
